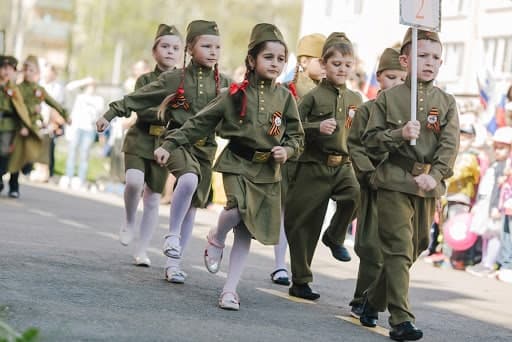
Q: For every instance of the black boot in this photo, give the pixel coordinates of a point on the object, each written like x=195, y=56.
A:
x=339, y=252
x=303, y=291
x=369, y=316
x=405, y=331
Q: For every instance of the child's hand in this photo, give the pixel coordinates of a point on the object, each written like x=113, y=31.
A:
x=101, y=124
x=495, y=213
x=328, y=126
x=161, y=156
x=411, y=130
x=425, y=182
x=24, y=131
x=279, y=153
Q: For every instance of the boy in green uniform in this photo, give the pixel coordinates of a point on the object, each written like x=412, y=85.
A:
x=324, y=170
x=33, y=95
x=19, y=142
x=389, y=74
x=410, y=180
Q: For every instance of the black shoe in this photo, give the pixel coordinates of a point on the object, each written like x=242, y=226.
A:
x=356, y=311
x=339, y=252
x=303, y=291
x=369, y=315
x=14, y=194
x=405, y=331
x=281, y=280
x=1, y=185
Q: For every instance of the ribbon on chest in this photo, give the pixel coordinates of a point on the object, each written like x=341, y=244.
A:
x=275, y=124
x=351, y=112
x=433, y=120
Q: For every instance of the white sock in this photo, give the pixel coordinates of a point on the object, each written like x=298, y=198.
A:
x=493, y=248
x=132, y=192
x=185, y=188
x=228, y=219
x=151, y=201
x=238, y=257
x=280, y=252
x=186, y=232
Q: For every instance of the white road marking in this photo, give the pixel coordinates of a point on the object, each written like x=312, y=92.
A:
x=74, y=224
x=42, y=212
x=109, y=235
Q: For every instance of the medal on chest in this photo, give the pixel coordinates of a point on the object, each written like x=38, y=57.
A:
x=38, y=93
x=275, y=124
x=8, y=91
x=433, y=120
x=351, y=112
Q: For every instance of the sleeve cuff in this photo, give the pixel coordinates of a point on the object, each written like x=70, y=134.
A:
x=436, y=175
x=109, y=115
x=289, y=151
x=169, y=146
x=396, y=134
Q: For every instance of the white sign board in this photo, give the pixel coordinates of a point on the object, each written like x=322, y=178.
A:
x=422, y=14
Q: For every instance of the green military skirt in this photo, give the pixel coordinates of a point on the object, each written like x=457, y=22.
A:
x=259, y=206
x=182, y=161
x=154, y=174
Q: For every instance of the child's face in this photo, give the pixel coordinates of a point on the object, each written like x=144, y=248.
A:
x=314, y=69
x=30, y=72
x=390, y=78
x=167, y=51
x=429, y=59
x=206, y=50
x=501, y=151
x=338, y=68
x=270, y=61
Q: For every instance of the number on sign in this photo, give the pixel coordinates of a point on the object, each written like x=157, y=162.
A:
x=418, y=14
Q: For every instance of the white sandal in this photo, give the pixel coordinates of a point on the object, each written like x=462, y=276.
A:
x=176, y=276
x=229, y=301
x=170, y=250
x=212, y=263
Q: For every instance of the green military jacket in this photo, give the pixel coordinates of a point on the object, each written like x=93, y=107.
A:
x=364, y=161
x=200, y=88
x=26, y=149
x=437, y=144
x=325, y=102
x=265, y=100
x=137, y=140
x=33, y=95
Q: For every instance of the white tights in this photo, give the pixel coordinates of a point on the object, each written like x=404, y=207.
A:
x=280, y=251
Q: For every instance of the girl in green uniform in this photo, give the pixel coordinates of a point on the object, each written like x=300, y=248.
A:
x=190, y=89
x=261, y=121
x=33, y=95
x=143, y=174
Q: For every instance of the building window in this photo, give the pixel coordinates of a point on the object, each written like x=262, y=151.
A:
x=455, y=8
x=498, y=54
x=453, y=60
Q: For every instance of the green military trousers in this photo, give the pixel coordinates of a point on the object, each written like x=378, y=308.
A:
x=305, y=208
x=367, y=244
x=404, y=224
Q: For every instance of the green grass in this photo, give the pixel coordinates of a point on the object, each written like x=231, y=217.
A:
x=98, y=165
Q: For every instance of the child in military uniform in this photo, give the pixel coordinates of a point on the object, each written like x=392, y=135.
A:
x=410, y=179
x=324, y=170
x=33, y=95
x=19, y=143
x=143, y=174
x=261, y=121
x=191, y=89
x=308, y=74
x=389, y=74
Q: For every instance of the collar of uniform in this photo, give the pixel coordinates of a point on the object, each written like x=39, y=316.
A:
x=421, y=85
x=259, y=82
x=158, y=71
x=199, y=69
x=329, y=85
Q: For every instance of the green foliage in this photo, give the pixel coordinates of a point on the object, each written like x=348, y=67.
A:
x=101, y=24
x=8, y=334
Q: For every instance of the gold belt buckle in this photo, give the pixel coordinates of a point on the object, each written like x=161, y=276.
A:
x=261, y=157
x=156, y=130
x=200, y=142
x=420, y=168
x=334, y=160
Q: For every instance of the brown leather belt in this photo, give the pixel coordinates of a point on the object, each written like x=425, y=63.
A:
x=334, y=160
x=410, y=165
x=250, y=154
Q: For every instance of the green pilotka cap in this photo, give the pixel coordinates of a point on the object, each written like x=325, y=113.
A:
x=311, y=45
x=264, y=32
x=335, y=38
x=8, y=60
x=389, y=60
x=201, y=27
x=166, y=30
x=422, y=35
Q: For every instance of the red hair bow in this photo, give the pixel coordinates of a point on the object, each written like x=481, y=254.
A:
x=235, y=88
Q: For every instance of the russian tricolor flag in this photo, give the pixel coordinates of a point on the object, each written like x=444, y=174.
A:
x=484, y=95
x=372, y=88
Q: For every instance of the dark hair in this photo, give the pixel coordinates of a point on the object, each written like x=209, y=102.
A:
x=345, y=49
x=509, y=94
x=239, y=96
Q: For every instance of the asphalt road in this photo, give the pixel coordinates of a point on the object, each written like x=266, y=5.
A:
x=63, y=271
